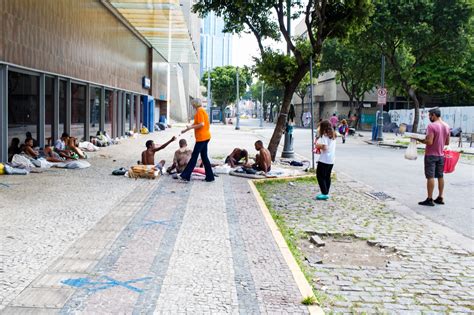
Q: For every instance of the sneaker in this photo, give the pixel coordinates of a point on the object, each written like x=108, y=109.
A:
x=439, y=201
x=322, y=197
x=427, y=202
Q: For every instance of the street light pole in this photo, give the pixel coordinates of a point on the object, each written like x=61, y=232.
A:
x=311, y=108
x=380, y=117
x=237, y=124
x=261, y=109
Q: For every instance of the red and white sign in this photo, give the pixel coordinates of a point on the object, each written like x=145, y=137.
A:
x=382, y=96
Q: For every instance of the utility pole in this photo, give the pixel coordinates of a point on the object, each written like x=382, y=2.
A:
x=380, y=117
x=311, y=108
x=288, y=151
x=261, y=109
x=237, y=124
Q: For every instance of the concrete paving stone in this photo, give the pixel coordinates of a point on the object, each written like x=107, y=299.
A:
x=84, y=253
x=53, y=280
x=42, y=297
x=12, y=310
x=69, y=265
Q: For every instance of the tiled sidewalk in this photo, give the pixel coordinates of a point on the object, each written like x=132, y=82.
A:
x=171, y=248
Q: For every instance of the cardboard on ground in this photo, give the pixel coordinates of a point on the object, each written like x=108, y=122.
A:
x=417, y=136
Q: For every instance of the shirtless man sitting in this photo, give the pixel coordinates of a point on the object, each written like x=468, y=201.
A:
x=181, y=157
x=263, y=160
x=235, y=158
x=148, y=156
x=47, y=153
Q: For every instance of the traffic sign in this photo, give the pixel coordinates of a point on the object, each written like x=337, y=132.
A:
x=382, y=96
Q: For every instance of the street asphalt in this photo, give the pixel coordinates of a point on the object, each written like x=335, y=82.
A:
x=387, y=171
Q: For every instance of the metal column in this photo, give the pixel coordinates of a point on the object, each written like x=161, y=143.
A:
x=67, y=123
x=42, y=110
x=55, y=133
x=87, y=124
x=102, y=109
x=3, y=113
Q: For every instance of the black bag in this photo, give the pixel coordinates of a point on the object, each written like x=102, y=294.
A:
x=119, y=172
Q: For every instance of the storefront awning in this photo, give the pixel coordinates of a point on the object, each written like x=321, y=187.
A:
x=162, y=24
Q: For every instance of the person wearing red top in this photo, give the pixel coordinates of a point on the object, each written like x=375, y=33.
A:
x=202, y=134
x=437, y=136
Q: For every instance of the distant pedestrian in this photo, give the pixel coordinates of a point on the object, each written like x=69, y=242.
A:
x=343, y=130
x=334, y=121
x=437, y=136
x=202, y=134
x=327, y=146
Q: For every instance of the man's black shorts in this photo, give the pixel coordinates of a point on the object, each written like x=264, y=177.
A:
x=434, y=166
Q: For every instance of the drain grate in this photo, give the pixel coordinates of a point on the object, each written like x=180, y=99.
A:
x=379, y=195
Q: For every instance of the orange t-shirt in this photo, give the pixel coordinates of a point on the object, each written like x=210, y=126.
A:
x=203, y=133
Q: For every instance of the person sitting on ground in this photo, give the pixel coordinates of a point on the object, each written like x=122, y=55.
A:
x=235, y=158
x=148, y=156
x=47, y=153
x=50, y=156
x=181, y=157
x=35, y=143
x=14, y=148
x=263, y=160
x=61, y=148
x=71, y=145
x=28, y=148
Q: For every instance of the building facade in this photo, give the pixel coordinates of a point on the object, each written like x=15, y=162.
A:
x=216, y=46
x=80, y=66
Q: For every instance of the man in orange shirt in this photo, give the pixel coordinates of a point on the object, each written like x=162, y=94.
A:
x=203, y=136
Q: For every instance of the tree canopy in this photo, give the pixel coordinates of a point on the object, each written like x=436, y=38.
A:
x=323, y=19
x=422, y=41
x=224, y=84
x=357, y=66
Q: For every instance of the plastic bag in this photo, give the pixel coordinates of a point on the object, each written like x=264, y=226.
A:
x=20, y=161
x=451, y=158
x=411, y=153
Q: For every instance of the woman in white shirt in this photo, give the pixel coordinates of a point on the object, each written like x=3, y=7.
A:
x=326, y=144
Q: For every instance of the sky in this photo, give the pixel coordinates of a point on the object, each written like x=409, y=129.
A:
x=244, y=47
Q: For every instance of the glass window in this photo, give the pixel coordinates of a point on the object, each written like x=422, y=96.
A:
x=49, y=110
x=62, y=107
x=127, y=112
x=109, y=111
x=95, y=111
x=23, y=105
x=78, y=110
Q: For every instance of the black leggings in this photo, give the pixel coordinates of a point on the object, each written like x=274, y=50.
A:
x=323, y=174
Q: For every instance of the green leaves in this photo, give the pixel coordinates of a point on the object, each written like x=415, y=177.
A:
x=224, y=83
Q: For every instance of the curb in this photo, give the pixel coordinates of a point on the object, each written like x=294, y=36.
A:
x=303, y=285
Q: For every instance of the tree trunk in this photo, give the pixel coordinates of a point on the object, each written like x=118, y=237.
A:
x=412, y=93
x=282, y=116
x=359, y=112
